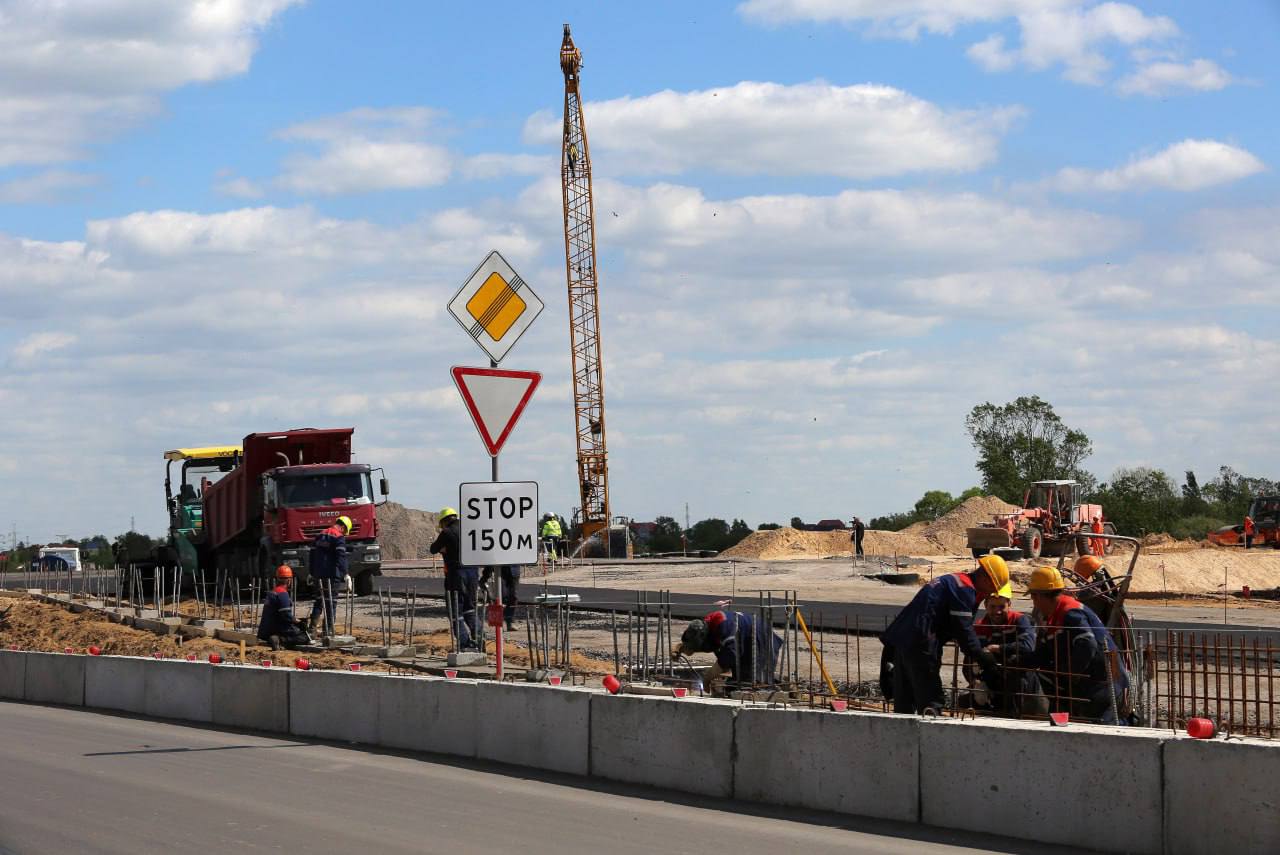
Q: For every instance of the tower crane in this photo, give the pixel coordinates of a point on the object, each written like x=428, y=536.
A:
x=584, y=298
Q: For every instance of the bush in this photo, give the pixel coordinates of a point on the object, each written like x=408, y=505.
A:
x=1195, y=527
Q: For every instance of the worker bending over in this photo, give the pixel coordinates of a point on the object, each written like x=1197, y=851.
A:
x=1009, y=637
x=745, y=651
x=328, y=567
x=1075, y=652
x=278, y=626
x=460, y=582
x=941, y=611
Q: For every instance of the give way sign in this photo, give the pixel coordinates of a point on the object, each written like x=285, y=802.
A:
x=495, y=397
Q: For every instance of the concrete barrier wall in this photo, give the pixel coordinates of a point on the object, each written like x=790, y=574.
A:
x=867, y=764
x=54, y=678
x=338, y=705
x=531, y=725
x=13, y=675
x=252, y=698
x=1091, y=787
x=1221, y=796
x=684, y=745
x=1086, y=786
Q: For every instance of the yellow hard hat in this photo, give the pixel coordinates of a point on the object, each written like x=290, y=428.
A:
x=445, y=513
x=1044, y=579
x=1006, y=591
x=347, y=522
x=996, y=569
x=1087, y=565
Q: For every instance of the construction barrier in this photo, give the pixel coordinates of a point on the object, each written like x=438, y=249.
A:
x=1111, y=789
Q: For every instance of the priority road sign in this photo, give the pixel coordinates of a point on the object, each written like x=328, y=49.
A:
x=499, y=522
x=495, y=397
x=495, y=306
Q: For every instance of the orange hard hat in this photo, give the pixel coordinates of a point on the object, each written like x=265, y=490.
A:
x=1087, y=565
x=284, y=571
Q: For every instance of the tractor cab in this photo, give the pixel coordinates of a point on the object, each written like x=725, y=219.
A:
x=1052, y=504
x=200, y=468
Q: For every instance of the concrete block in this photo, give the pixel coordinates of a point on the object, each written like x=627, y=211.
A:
x=155, y=625
x=235, y=636
x=682, y=745
x=192, y=631
x=867, y=764
x=253, y=698
x=146, y=614
x=1084, y=785
x=115, y=683
x=1221, y=796
x=178, y=689
x=456, y=659
x=55, y=678
x=426, y=714
x=339, y=705
x=537, y=726
x=209, y=623
x=13, y=674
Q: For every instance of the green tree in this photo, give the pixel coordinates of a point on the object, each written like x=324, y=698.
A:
x=797, y=523
x=1024, y=441
x=709, y=534
x=737, y=531
x=666, y=535
x=893, y=522
x=1193, y=501
x=1140, y=500
x=1232, y=493
x=934, y=504
x=769, y=527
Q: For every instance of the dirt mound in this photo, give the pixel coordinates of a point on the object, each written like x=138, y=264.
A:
x=406, y=532
x=1165, y=542
x=948, y=531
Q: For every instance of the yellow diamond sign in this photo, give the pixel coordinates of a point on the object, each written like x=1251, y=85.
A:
x=495, y=306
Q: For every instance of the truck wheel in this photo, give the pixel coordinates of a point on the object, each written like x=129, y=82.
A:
x=363, y=584
x=1032, y=542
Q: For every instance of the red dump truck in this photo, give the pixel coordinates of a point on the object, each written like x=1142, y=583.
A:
x=286, y=488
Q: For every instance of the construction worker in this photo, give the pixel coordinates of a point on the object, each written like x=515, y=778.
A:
x=460, y=582
x=735, y=639
x=941, y=611
x=1097, y=545
x=328, y=566
x=1075, y=652
x=858, y=531
x=1009, y=637
x=509, y=582
x=278, y=627
x=551, y=535
x=1249, y=531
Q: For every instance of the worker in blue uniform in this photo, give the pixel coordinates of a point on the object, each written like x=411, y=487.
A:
x=328, y=566
x=1009, y=636
x=746, y=650
x=942, y=611
x=278, y=626
x=460, y=582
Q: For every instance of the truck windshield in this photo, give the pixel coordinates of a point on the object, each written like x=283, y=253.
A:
x=323, y=489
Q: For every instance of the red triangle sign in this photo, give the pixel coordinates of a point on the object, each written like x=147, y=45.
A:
x=495, y=397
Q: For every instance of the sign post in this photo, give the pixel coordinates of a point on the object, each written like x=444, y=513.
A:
x=494, y=307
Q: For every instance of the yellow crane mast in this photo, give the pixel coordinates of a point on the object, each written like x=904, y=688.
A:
x=584, y=298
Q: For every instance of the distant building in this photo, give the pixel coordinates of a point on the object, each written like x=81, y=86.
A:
x=642, y=532
x=827, y=525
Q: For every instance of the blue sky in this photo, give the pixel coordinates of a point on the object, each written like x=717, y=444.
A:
x=827, y=229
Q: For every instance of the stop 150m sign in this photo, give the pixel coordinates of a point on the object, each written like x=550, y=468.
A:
x=499, y=522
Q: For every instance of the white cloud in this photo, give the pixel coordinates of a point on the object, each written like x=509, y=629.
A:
x=45, y=187
x=1185, y=166
x=1080, y=36
x=815, y=128
x=361, y=166
x=239, y=187
x=43, y=342
x=72, y=73
x=1159, y=78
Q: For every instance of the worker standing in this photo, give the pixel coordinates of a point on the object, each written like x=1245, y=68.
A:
x=278, y=626
x=1008, y=636
x=858, y=531
x=551, y=535
x=509, y=590
x=745, y=651
x=1097, y=545
x=328, y=567
x=460, y=582
x=1249, y=530
x=941, y=611
x=1075, y=652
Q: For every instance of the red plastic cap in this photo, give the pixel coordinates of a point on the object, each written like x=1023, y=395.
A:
x=1058, y=719
x=612, y=684
x=95, y=650
x=302, y=664
x=354, y=666
x=215, y=658
x=1200, y=728
x=266, y=663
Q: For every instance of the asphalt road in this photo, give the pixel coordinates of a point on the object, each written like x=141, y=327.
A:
x=79, y=781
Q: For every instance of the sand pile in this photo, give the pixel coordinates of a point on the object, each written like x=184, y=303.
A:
x=406, y=532
x=943, y=536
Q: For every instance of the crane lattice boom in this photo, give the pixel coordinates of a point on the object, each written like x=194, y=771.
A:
x=584, y=297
